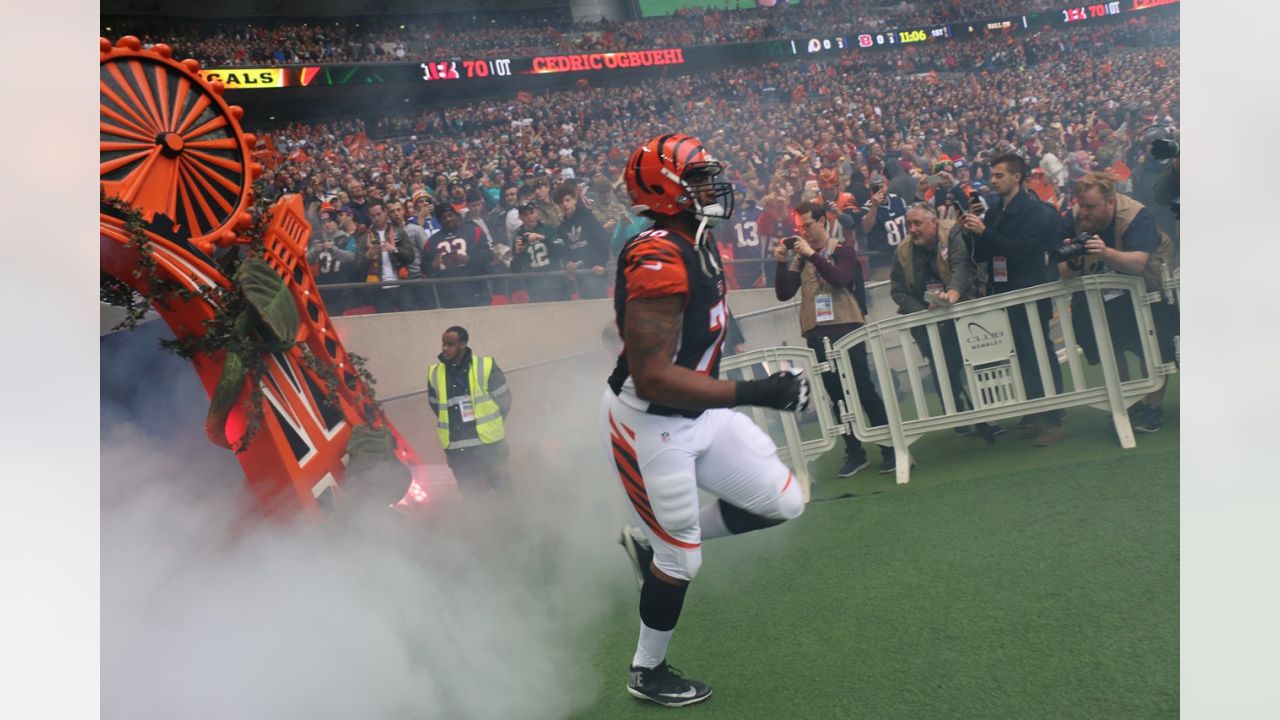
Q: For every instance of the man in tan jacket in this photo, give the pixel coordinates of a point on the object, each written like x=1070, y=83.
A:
x=829, y=279
x=1126, y=239
x=936, y=262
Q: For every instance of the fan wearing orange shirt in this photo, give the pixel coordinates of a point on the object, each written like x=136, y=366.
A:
x=841, y=207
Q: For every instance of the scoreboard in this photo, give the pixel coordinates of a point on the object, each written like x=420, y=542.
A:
x=883, y=39
x=512, y=69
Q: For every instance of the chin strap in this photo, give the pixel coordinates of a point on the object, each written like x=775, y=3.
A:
x=705, y=252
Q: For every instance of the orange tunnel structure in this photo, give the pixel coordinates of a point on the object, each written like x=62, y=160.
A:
x=173, y=151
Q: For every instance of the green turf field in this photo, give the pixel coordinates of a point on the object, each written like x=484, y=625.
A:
x=1004, y=581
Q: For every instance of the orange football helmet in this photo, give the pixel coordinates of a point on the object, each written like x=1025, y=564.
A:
x=669, y=174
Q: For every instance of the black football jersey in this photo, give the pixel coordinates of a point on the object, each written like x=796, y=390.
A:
x=660, y=263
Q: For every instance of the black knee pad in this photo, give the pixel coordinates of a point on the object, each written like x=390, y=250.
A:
x=740, y=521
x=660, y=603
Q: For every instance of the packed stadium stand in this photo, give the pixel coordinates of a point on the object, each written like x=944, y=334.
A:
x=429, y=149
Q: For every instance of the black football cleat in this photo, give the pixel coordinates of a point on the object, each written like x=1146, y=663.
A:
x=665, y=686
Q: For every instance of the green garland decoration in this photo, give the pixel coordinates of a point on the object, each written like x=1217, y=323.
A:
x=244, y=329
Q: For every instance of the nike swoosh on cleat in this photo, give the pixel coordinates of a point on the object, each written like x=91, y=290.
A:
x=680, y=696
x=653, y=266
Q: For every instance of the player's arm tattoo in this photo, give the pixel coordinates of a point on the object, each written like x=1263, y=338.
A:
x=653, y=327
x=652, y=330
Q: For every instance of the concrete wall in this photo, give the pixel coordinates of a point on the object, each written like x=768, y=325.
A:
x=400, y=346
x=554, y=354
x=555, y=357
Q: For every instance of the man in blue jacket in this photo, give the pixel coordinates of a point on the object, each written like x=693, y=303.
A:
x=1013, y=239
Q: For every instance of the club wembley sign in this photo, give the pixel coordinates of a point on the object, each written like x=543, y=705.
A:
x=985, y=338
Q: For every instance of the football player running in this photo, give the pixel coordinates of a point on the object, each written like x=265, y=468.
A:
x=665, y=416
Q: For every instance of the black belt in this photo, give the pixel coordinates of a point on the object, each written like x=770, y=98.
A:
x=668, y=411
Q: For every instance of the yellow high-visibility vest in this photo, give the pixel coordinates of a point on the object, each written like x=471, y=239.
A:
x=488, y=415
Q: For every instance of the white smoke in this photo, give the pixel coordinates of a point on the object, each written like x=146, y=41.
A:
x=486, y=610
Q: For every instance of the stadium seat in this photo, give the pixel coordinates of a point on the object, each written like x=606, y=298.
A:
x=500, y=300
x=360, y=310
x=520, y=297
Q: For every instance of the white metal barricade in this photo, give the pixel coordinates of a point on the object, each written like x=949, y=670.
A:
x=992, y=373
x=1173, y=295
x=1172, y=281
x=823, y=427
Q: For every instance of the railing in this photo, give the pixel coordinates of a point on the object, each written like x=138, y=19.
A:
x=1172, y=281
x=992, y=367
x=992, y=370
x=795, y=450
x=1173, y=295
x=491, y=278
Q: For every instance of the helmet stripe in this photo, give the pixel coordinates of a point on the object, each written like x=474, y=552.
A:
x=681, y=162
x=662, y=143
x=635, y=169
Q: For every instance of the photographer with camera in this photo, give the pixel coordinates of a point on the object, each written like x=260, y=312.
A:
x=1113, y=232
x=945, y=192
x=1168, y=188
x=1154, y=158
x=829, y=279
x=537, y=252
x=1012, y=240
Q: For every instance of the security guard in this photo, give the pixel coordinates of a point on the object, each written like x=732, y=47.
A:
x=469, y=421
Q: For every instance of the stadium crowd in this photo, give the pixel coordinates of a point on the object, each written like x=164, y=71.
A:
x=438, y=37
x=1058, y=97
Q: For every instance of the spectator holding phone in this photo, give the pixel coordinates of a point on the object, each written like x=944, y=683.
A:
x=1012, y=240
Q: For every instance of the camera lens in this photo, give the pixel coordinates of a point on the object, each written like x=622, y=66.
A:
x=1164, y=149
x=1074, y=249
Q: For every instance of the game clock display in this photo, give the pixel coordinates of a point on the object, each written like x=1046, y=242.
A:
x=904, y=37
